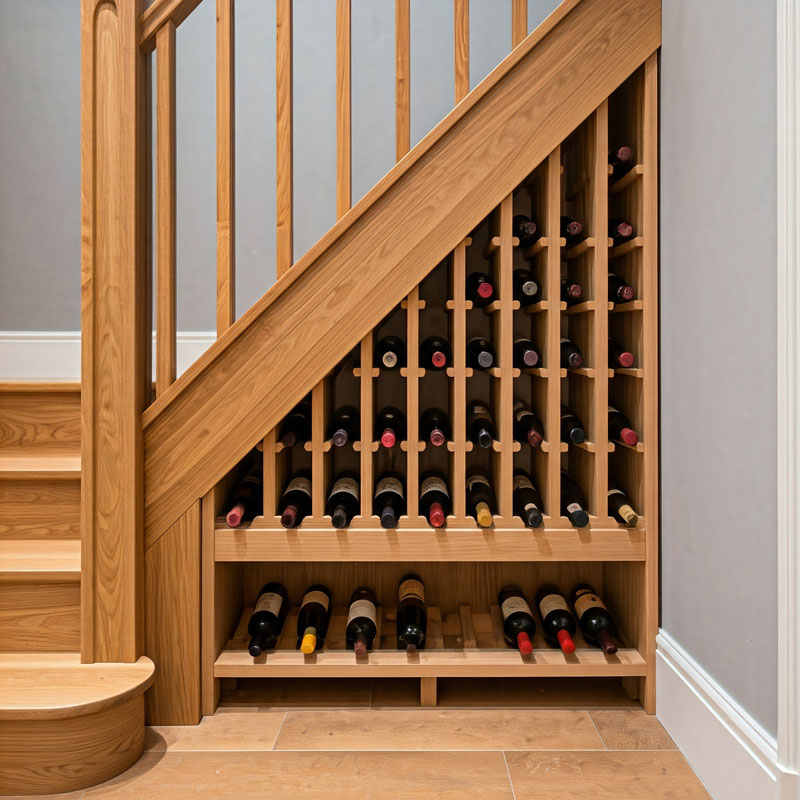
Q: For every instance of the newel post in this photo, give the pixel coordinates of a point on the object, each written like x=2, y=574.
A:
x=115, y=325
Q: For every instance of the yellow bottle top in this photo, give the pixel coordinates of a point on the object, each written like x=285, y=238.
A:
x=628, y=514
x=484, y=515
x=309, y=643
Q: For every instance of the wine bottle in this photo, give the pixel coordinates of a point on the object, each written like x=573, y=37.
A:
x=526, y=287
x=434, y=498
x=571, y=357
x=526, y=356
x=269, y=614
x=527, y=500
x=620, y=231
x=571, y=229
x=412, y=617
x=390, y=499
x=390, y=353
x=518, y=623
x=571, y=427
x=621, y=159
x=344, y=426
x=362, y=621
x=619, y=507
x=558, y=623
x=247, y=498
x=480, y=426
x=619, y=428
x=343, y=503
x=390, y=426
x=618, y=356
x=596, y=623
x=571, y=290
x=481, y=502
x=435, y=353
x=618, y=289
x=434, y=427
x=573, y=502
x=295, y=502
x=480, y=353
x=313, y=618
x=479, y=289
x=527, y=426
x=525, y=229
x=296, y=427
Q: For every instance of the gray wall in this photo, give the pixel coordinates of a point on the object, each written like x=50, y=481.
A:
x=718, y=376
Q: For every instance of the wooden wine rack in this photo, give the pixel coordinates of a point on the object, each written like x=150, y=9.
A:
x=621, y=562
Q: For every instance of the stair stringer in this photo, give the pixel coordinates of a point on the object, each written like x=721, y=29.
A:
x=380, y=250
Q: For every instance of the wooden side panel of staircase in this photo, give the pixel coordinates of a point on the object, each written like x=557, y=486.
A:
x=384, y=246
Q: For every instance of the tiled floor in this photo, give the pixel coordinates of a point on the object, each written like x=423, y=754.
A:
x=366, y=740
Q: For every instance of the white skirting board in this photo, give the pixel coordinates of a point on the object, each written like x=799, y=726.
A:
x=731, y=753
x=56, y=355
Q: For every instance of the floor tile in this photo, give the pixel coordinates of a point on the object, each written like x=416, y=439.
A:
x=236, y=730
x=631, y=729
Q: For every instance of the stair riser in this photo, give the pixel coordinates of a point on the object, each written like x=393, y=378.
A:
x=39, y=509
x=40, y=617
x=40, y=421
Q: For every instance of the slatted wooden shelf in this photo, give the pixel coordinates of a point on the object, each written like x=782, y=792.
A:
x=628, y=179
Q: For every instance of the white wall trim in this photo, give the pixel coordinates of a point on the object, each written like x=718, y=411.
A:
x=788, y=321
x=57, y=354
x=731, y=753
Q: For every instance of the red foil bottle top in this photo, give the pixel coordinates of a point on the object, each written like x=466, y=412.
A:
x=339, y=438
x=575, y=290
x=437, y=437
x=388, y=438
x=565, y=642
x=485, y=290
x=607, y=642
x=625, y=359
x=289, y=516
x=534, y=438
x=524, y=644
x=629, y=436
x=574, y=227
x=624, y=229
x=360, y=646
x=438, y=359
x=289, y=439
x=626, y=293
x=234, y=517
x=437, y=515
x=530, y=358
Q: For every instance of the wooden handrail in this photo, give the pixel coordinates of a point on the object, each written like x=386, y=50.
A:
x=159, y=13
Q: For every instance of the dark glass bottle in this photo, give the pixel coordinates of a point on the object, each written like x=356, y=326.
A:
x=343, y=503
x=412, y=617
x=295, y=502
x=344, y=426
x=621, y=159
x=526, y=287
x=313, y=618
x=435, y=353
x=620, y=429
x=296, y=427
x=618, y=356
x=527, y=426
x=390, y=353
x=434, y=427
x=526, y=356
x=596, y=623
x=525, y=229
x=480, y=425
x=571, y=356
x=434, y=498
x=571, y=230
x=389, y=502
x=619, y=231
x=571, y=291
x=518, y=623
x=621, y=508
x=481, y=502
x=480, y=353
x=269, y=614
x=571, y=427
x=558, y=623
x=527, y=500
x=247, y=498
x=618, y=289
x=390, y=426
x=362, y=621
x=573, y=502
x=479, y=289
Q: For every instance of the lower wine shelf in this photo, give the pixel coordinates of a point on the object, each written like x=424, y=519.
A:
x=464, y=643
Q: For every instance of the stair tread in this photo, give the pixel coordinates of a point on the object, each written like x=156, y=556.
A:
x=53, y=466
x=57, y=685
x=40, y=559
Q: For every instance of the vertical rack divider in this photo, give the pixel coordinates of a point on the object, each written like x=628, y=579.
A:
x=318, y=447
x=272, y=480
x=412, y=373
x=366, y=374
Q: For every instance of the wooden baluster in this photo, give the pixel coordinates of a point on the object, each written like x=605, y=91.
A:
x=461, y=48
x=412, y=373
x=273, y=487
x=318, y=447
x=367, y=375
x=283, y=136
x=343, y=109
x=402, y=36
x=519, y=21
x=166, y=306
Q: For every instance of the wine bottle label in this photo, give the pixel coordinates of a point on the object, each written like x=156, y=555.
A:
x=472, y=480
x=523, y=340
x=520, y=411
x=564, y=339
x=513, y=604
x=389, y=484
x=316, y=596
x=345, y=485
x=433, y=484
x=479, y=410
x=573, y=507
x=613, y=410
x=411, y=588
x=363, y=608
x=299, y=484
x=586, y=601
x=522, y=482
x=251, y=480
x=530, y=507
x=552, y=602
x=269, y=601
x=615, y=491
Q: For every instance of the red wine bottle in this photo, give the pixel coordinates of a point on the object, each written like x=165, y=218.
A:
x=390, y=353
x=480, y=353
x=269, y=614
x=481, y=502
x=527, y=500
x=296, y=427
x=571, y=291
x=362, y=621
x=527, y=426
x=618, y=289
x=621, y=159
x=525, y=229
x=479, y=289
x=480, y=425
x=596, y=623
x=313, y=618
x=558, y=624
x=620, y=231
x=435, y=353
x=571, y=427
x=434, y=498
x=295, y=502
x=526, y=356
x=518, y=623
x=247, y=498
x=621, y=508
x=390, y=426
x=618, y=356
x=412, y=617
x=389, y=502
x=526, y=287
x=344, y=426
x=571, y=230
x=573, y=502
x=571, y=357
x=343, y=502
x=434, y=427
x=619, y=428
